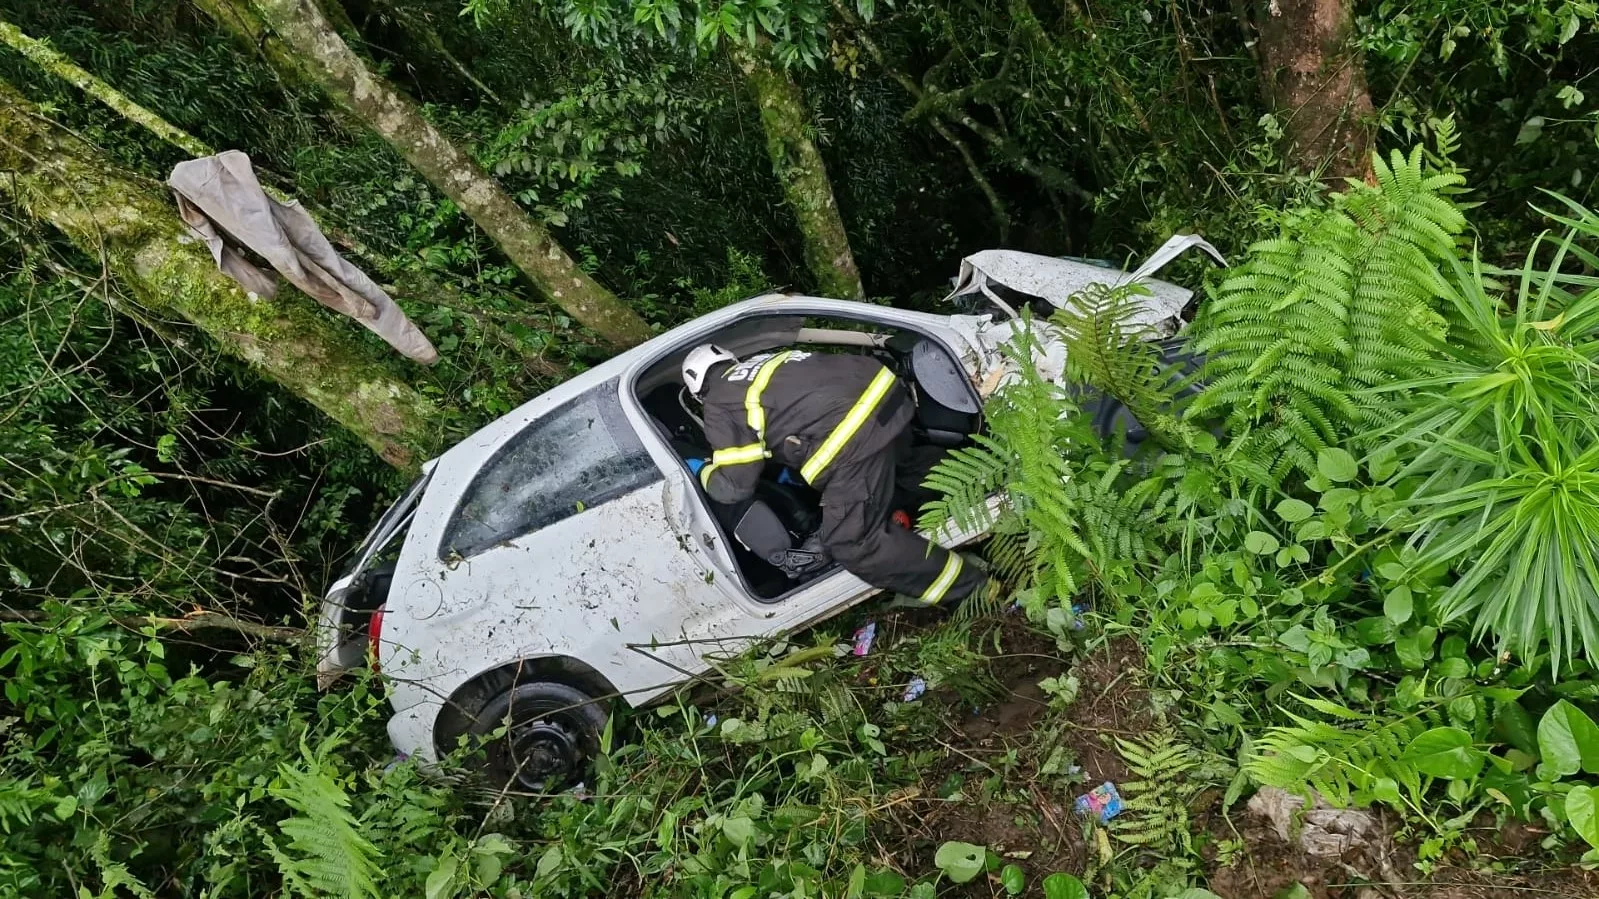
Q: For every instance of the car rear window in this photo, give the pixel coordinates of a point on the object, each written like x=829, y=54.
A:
x=576, y=457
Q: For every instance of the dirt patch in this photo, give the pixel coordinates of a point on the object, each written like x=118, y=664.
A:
x=1459, y=883
x=1112, y=701
x=1267, y=866
x=995, y=753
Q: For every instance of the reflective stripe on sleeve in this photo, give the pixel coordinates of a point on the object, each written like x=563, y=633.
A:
x=836, y=441
x=752, y=399
x=738, y=455
x=733, y=455
x=945, y=580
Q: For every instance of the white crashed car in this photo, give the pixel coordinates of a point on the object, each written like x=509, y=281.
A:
x=563, y=555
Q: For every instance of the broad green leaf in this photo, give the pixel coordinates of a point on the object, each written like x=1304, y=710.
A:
x=1582, y=814
x=739, y=830
x=1375, y=631
x=1260, y=543
x=1398, y=605
x=1382, y=464
x=857, y=882
x=959, y=861
x=1064, y=886
x=1293, y=891
x=884, y=883
x=1337, y=465
x=441, y=882
x=1014, y=879
x=1445, y=752
x=1514, y=725
x=549, y=862
x=1295, y=510
x=1568, y=740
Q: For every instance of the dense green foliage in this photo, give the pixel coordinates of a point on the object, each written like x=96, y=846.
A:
x=1360, y=560
x=1410, y=587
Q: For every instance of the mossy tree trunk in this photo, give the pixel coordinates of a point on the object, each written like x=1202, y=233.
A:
x=797, y=162
x=307, y=34
x=131, y=224
x=251, y=33
x=1316, y=81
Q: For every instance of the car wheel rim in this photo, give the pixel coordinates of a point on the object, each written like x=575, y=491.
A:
x=544, y=754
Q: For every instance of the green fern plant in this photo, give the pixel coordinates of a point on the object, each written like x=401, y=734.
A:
x=1060, y=521
x=1106, y=349
x=326, y=854
x=1358, y=760
x=1155, y=799
x=1342, y=301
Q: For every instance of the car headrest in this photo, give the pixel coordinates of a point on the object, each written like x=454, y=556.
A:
x=941, y=379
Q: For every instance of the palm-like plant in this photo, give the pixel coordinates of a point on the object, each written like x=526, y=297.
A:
x=1503, y=437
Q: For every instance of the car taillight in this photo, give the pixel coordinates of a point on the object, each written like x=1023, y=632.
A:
x=374, y=633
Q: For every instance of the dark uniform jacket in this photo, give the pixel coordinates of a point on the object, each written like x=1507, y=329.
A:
x=814, y=413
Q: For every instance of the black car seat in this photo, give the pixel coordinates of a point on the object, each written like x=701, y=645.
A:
x=946, y=408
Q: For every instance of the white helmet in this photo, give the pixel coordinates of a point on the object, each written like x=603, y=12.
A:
x=699, y=362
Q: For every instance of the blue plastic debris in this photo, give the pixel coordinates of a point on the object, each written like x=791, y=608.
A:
x=1102, y=802
x=710, y=720
x=1077, y=616
x=915, y=689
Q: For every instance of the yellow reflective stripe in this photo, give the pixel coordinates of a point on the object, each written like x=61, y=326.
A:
x=738, y=455
x=946, y=579
x=836, y=441
x=752, y=399
x=705, y=474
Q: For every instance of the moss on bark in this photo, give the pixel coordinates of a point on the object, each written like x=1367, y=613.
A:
x=797, y=162
x=129, y=222
x=303, y=28
x=47, y=58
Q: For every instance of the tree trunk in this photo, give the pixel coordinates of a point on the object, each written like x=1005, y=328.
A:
x=251, y=33
x=797, y=162
x=131, y=225
x=307, y=34
x=1315, y=79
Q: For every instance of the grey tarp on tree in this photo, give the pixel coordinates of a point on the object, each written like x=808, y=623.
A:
x=224, y=205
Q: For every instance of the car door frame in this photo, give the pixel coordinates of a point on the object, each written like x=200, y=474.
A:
x=833, y=592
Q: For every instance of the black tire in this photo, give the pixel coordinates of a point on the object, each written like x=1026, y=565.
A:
x=553, y=737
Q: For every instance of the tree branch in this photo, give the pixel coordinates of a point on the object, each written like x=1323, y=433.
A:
x=52, y=61
x=196, y=621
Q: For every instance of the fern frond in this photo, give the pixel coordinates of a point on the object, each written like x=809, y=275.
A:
x=326, y=853
x=1344, y=762
x=1344, y=301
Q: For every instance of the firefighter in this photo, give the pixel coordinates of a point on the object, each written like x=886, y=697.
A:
x=843, y=423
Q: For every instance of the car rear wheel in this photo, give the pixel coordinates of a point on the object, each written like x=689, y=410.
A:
x=553, y=736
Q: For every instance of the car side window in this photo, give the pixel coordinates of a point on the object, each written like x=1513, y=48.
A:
x=576, y=457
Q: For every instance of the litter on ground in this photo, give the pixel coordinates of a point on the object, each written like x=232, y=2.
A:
x=864, y=637
x=1102, y=802
x=915, y=689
